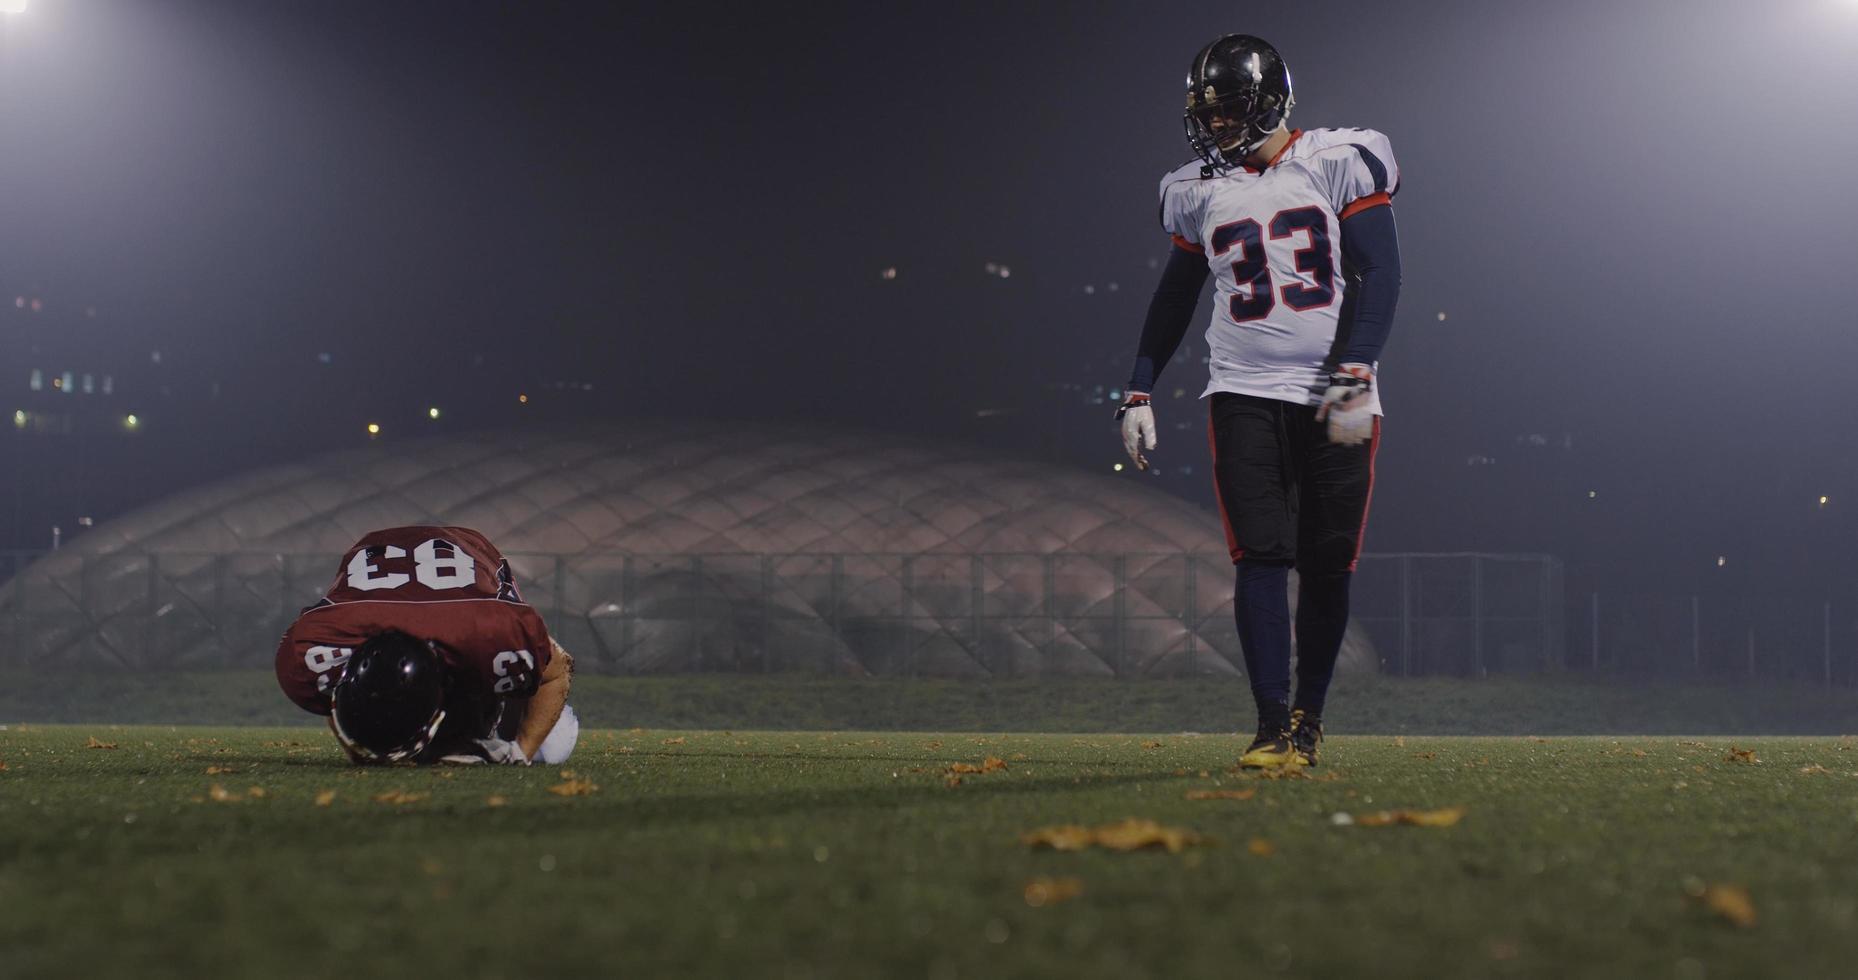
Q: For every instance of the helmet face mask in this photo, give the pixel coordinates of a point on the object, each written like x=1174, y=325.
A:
x=1238, y=94
x=390, y=700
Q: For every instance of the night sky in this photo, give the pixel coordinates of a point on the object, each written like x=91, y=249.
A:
x=1637, y=219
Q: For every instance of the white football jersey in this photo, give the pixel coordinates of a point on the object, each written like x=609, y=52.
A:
x=1273, y=239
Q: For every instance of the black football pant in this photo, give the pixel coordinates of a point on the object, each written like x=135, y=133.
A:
x=1290, y=498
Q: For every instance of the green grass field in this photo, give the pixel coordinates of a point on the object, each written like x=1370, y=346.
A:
x=790, y=854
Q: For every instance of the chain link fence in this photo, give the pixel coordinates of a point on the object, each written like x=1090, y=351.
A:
x=947, y=615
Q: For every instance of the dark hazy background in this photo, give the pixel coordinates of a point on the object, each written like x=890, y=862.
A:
x=1630, y=234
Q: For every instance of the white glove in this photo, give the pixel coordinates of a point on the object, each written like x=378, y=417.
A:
x=1345, y=405
x=498, y=751
x=1138, y=427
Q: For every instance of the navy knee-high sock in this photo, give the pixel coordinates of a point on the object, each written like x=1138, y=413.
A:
x=1322, y=619
x=1261, y=606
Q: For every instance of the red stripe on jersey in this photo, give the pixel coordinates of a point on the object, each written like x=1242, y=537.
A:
x=1232, y=540
x=1374, y=448
x=1184, y=244
x=1361, y=204
x=1295, y=135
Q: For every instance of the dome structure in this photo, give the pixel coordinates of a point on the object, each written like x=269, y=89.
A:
x=680, y=547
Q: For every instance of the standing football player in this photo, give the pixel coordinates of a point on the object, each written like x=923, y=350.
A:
x=1297, y=228
x=423, y=651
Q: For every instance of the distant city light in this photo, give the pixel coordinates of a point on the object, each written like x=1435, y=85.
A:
x=131, y=422
x=85, y=522
x=1090, y=290
x=890, y=272
x=432, y=413
x=1441, y=316
x=1721, y=561
x=374, y=428
x=523, y=398
x=325, y=358
x=19, y=418
x=1822, y=500
x=1591, y=494
x=1118, y=467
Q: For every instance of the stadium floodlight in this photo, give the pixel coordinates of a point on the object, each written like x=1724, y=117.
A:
x=12, y=6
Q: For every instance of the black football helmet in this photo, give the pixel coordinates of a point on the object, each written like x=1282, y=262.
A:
x=390, y=700
x=1238, y=94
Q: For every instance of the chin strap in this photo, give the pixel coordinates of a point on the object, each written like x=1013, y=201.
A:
x=417, y=746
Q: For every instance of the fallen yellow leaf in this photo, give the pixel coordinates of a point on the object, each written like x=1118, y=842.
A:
x=1043, y=891
x=1261, y=847
x=1811, y=769
x=94, y=744
x=1126, y=835
x=1221, y=794
x=1152, y=744
x=1064, y=837
x=496, y=800
x=1741, y=755
x=256, y=792
x=1417, y=818
x=220, y=794
x=220, y=770
x=574, y=787
x=325, y=797
x=675, y=741
x=1731, y=902
x=399, y=797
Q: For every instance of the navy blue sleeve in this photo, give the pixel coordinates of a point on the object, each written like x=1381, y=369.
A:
x=1169, y=313
x=1371, y=255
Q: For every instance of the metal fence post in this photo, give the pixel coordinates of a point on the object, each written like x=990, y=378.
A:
x=1477, y=614
x=1826, y=624
x=1119, y=569
x=909, y=592
x=1544, y=590
x=1051, y=610
x=628, y=609
x=1191, y=613
x=150, y=648
x=1696, y=634
x=977, y=597
x=1594, y=616
x=1406, y=615
x=767, y=608
x=693, y=619
x=835, y=587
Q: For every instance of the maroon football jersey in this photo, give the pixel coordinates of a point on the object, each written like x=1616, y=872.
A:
x=445, y=584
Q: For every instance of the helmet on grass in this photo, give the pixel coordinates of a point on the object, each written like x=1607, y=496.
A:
x=390, y=699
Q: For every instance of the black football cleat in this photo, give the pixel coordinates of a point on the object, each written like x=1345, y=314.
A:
x=1306, y=734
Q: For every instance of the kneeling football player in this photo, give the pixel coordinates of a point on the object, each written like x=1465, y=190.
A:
x=423, y=651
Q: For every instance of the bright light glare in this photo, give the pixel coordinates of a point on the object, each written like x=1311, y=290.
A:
x=374, y=428
x=12, y=6
x=432, y=413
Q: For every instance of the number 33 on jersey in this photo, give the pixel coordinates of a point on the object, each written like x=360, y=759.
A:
x=1273, y=240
